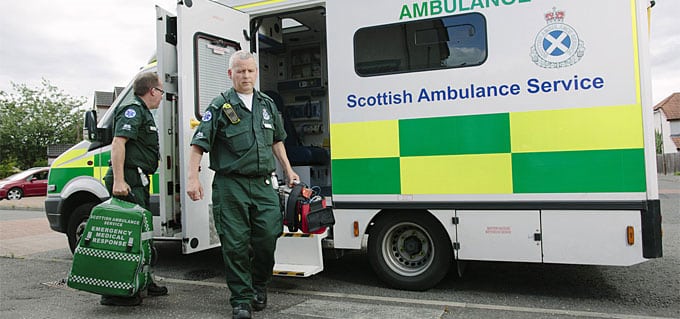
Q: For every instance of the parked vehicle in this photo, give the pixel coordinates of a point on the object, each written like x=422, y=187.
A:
x=517, y=131
x=31, y=182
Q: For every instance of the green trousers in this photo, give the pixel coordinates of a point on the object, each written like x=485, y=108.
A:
x=249, y=221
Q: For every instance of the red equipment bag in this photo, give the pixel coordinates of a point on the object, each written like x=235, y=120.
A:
x=307, y=211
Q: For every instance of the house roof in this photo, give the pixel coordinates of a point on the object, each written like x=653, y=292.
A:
x=676, y=140
x=117, y=90
x=103, y=98
x=55, y=150
x=670, y=107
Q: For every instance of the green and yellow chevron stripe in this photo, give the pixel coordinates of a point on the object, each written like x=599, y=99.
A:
x=557, y=151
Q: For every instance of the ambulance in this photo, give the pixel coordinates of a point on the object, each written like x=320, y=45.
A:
x=440, y=131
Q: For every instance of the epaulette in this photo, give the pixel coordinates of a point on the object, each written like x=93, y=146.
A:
x=266, y=97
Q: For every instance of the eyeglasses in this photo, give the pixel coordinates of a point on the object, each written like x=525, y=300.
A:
x=159, y=90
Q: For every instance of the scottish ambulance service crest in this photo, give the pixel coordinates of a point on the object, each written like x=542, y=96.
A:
x=557, y=45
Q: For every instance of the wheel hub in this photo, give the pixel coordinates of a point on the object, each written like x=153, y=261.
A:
x=412, y=245
x=410, y=251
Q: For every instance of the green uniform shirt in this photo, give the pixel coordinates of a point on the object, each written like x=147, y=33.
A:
x=243, y=148
x=136, y=122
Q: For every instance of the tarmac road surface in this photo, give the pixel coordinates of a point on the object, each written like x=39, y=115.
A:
x=35, y=260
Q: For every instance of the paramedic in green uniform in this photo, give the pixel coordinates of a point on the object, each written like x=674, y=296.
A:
x=134, y=156
x=243, y=132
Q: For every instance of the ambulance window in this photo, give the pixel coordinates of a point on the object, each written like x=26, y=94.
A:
x=433, y=44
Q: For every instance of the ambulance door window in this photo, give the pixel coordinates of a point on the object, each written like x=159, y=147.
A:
x=211, y=60
x=441, y=43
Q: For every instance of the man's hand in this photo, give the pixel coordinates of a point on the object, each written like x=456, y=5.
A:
x=293, y=178
x=120, y=188
x=194, y=189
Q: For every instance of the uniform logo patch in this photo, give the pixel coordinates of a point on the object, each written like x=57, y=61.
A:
x=206, y=116
x=126, y=127
x=199, y=134
x=265, y=114
x=130, y=113
x=557, y=45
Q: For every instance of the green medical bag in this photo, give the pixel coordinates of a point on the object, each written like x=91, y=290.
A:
x=114, y=253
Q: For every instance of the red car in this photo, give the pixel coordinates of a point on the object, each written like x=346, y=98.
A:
x=31, y=182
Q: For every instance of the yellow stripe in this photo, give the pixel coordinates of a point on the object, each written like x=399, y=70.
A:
x=649, y=20
x=289, y=273
x=365, y=140
x=68, y=156
x=257, y=4
x=99, y=172
x=600, y=128
x=461, y=174
x=636, y=58
x=296, y=235
x=79, y=162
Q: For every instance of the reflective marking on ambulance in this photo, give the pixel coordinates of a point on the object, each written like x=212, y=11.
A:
x=79, y=162
x=551, y=151
x=296, y=235
x=289, y=273
x=257, y=4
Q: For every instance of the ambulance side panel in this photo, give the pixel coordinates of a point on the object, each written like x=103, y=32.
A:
x=518, y=126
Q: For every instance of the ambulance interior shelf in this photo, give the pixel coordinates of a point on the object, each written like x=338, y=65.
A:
x=306, y=117
x=304, y=71
x=299, y=154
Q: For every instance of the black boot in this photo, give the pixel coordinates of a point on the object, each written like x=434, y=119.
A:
x=242, y=311
x=260, y=301
x=156, y=290
x=135, y=300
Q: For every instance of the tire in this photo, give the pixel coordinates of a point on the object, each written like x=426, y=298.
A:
x=409, y=251
x=76, y=224
x=15, y=193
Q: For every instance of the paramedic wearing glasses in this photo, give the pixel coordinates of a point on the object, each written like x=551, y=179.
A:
x=243, y=132
x=134, y=156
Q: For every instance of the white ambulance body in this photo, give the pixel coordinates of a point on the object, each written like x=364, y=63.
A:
x=453, y=130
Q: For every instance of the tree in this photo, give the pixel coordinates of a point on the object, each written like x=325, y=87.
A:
x=659, y=142
x=33, y=118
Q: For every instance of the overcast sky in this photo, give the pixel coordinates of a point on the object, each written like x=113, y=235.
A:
x=82, y=46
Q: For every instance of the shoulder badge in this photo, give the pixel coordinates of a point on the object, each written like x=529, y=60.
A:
x=130, y=113
x=206, y=116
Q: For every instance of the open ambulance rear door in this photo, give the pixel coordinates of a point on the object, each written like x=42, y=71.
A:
x=168, y=225
x=208, y=34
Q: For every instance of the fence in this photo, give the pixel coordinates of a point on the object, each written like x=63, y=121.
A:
x=668, y=163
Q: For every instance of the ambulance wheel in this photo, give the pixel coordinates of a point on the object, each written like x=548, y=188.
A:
x=409, y=251
x=76, y=224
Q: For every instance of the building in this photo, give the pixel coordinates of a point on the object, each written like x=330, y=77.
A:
x=54, y=150
x=103, y=100
x=667, y=122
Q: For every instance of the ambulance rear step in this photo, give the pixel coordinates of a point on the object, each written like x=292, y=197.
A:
x=298, y=254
